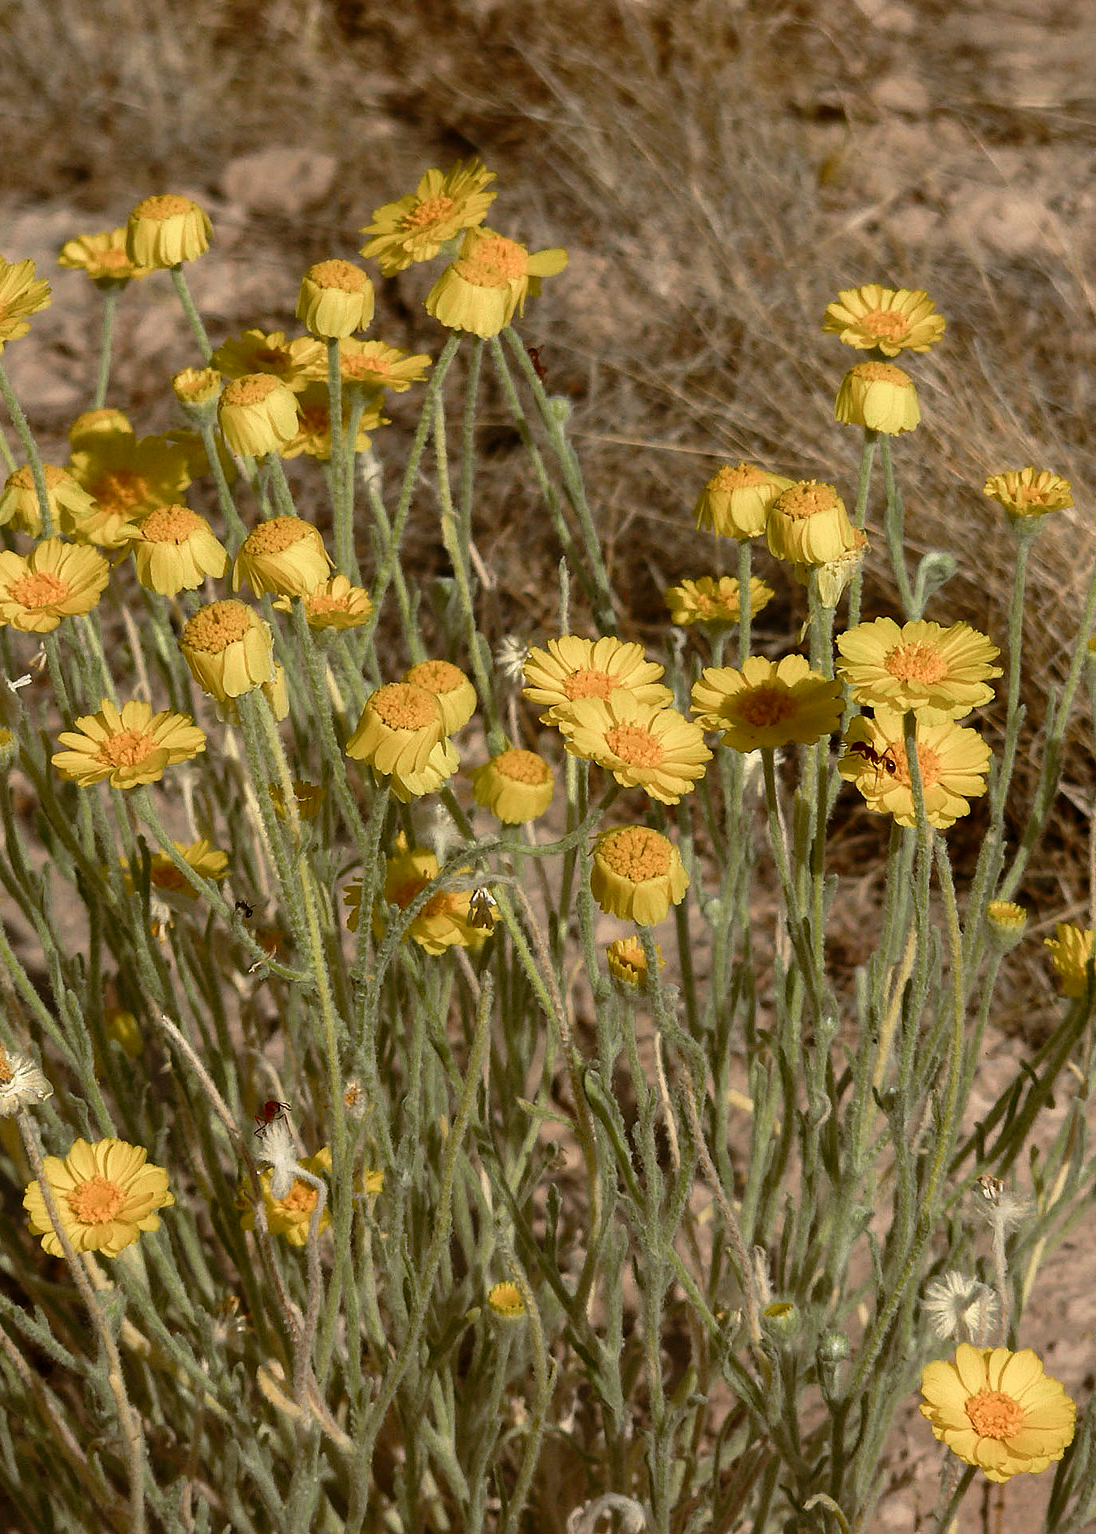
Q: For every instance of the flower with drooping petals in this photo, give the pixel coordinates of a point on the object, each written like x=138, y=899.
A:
x=998, y=1410
x=105, y=1194
x=516, y=786
x=104, y=258
x=887, y=320
x=444, y=921
x=641, y=744
x=954, y=762
x=637, y=874
x=808, y=524
x=167, y=230
x=284, y=555
x=768, y=703
x=416, y=227
x=313, y=436
x=371, y=365
x=573, y=668
x=489, y=282
x=879, y=397
x=713, y=600
x=56, y=580
x=450, y=686
x=627, y=960
x=126, y=746
x=21, y=295
x=336, y=298
x=290, y=1216
x=336, y=604
x=257, y=415
x=229, y=649
x=834, y=575
x=1071, y=949
x=19, y=504
x=165, y=875
x=175, y=550
x=294, y=363
x=399, y=728
x=938, y=673
x=1030, y=492
x=735, y=502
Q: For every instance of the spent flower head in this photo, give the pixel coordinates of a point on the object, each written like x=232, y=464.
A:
x=808, y=524
x=21, y=1083
x=336, y=298
x=284, y=555
x=516, y=786
x=257, y=414
x=637, y=874
x=175, y=550
x=955, y=1304
x=166, y=230
x=879, y=397
x=229, y=649
x=735, y=502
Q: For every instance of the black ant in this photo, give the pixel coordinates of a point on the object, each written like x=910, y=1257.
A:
x=538, y=367
x=882, y=761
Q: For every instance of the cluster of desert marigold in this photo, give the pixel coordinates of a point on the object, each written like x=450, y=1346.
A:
x=123, y=494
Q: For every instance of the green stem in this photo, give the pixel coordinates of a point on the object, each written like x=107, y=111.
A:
x=895, y=529
x=194, y=319
x=106, y=345
x=30, y=447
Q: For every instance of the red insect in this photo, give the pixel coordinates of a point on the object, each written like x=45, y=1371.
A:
x=269, y=1113
x=882, y=761
x=538, y=366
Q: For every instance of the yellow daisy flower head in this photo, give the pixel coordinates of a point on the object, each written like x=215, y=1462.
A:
x=294, y=363
x=735, y=502
x=175, y=550
x=954, y=762
x=504, y=1301
x=572, y=668
x=808, y=524
x=56, y=580
x=127, y=477
x=371, y=365
x=714, y=600
x=197, y=390
x=164, y=875
x=637, y=874
x=285, y=555
x=768, y=703
x=290, y=1216
x=522, y=270
x=445, y=920
x=399, y=728
x=126, y=746
x=416, y=227
x=257, y=415
x=68, y=501
x=336, y=298
x=998, y=1410
x=887, y=320
x=1029, y=492
x=450, y=686
x=229, y=649
x=104, y=258
x=417, y=782
x=879, y=397
x=313, y=436
x=489, y=282
x=627, y=960
x=92, y=425
x=516, y=786
x=1071, y=949
x=938, y=673
x=334, y=604
x=1006, y=923
x=166, y=230
x=105, y=1194
x=21, y=295
x=641, y=744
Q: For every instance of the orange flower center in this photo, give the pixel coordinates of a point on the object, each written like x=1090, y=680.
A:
x=928, y=760
x=635, y=745
x=887, y=324
x=315, y=421
x=806, y=500
x=431, y=210
x=272, y=358
x=251, y=389
x=274, y=537
x=120, y=489
x=171, y=524
x=589, y=684
x=763, y=706
x=165, y=876
x=39, y=589
x=916, y=663
x=744, y=477
x=883, y=372
x=636, y=853
x=480, y=274
x=127, y=749
x=523, y=767
x=322, y=602
x=108, y=259
x=363, y=367
x=340, y=275
x=217, y=626
x=403, y=706
x=301, y=1199
x=440, y=905
x=505, y=256
x=436, y=676
x=96, y=1201
x=404, y=892
x=994, y=1415
x=160, y=209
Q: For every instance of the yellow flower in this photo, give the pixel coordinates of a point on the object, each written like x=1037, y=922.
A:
x=164, y=231
x=1071, y=949
x=104, y=258
x=127, y=477
x=308, y=797
x=642, y=745
x=808, y=524
x=874, y=318
x=767, y=703
x=1029, y=492
x=20, y=297
x=197, y=389
x=573, y=668
x=835, y=574
x=938, y=673
x=637, y=874
x=294, y=362
x=164, y=875
x=516, y=786
x=1006, y=922
x=335, y=604
x=313, y=436
x=175, y=550
x=735, y=503
x=504, y=1301
x=128, y=746
x=229, y=649
x=371, y=365
x=522, y=271
x=450, y=686
x=880, y=397
x=68, y=501
x=285, y=555
x=106, y=1194
x=714, y=600
x=399, y=728
x=954, y=762
x=90, y=427
x=627, y=961
x=998, y=1410
x=336, y=298
x=291, y=1216
x=489, y=282
x=257, y=415
x=416, y=227
x=444, y=921
x=56, y=580
x=125, y=1030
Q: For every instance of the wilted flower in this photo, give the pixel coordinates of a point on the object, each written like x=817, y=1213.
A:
x=808, y=524
x=257, y=415
x=955, y=1303
x=735, y=502
x=284, y=555
x=229, y=649
x=880, y=397
x=175, y=550
x=21, y=1083
x=336, y=298
x=637, y=874
x=516, y=786
x=450, y=686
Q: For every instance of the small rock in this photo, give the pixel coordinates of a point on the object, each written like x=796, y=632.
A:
x=902, y=93
x=279, y=180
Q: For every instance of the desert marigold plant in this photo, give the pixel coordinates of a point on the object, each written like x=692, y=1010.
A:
x=938, y=673
x=888, y=320
x=999, y=1411
x=767, y=703
x=414, y=228
x=735, y=502
x=105, y=1196
x=572, y=668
